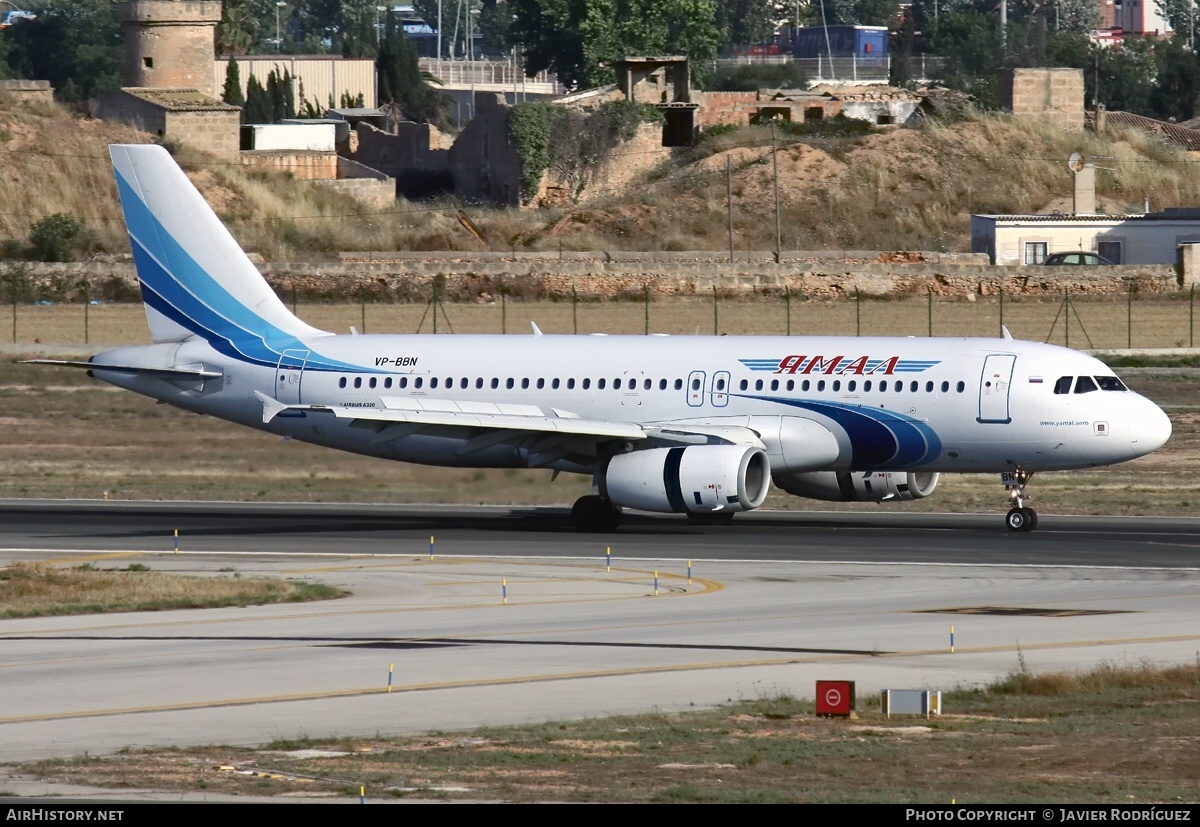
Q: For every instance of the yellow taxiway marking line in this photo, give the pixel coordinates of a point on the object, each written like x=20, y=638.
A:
x=382, y=690
x=791, y=659
x=88, y=558
x=1062, y=644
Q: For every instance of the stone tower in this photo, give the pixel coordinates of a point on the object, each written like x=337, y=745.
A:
x=169, y=43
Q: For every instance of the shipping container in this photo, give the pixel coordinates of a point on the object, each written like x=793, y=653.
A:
x=861, y=42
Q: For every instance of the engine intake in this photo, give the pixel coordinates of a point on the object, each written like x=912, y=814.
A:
x=860, y=486
x=696, y=478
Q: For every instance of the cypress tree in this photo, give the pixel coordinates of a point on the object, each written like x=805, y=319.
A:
x=232, y=93
x=258, y=104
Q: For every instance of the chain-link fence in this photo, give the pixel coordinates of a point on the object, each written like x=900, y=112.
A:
x=1126, y=320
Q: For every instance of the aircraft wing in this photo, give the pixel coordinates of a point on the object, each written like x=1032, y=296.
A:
x=556, y=433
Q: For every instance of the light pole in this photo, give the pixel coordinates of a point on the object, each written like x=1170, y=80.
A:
x=279, y=6
x=378, y=9
x=18, y=13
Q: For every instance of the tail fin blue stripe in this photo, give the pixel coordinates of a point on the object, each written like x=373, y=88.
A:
x=176, y=286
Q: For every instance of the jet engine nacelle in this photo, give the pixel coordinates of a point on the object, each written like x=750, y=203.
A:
x=860, y=486
x=697, y=478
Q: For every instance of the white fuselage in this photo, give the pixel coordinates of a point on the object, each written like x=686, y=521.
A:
x=950, y=405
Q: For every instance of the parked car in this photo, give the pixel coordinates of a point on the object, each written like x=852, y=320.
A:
x=1077, y=257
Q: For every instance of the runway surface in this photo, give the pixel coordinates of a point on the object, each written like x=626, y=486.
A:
x=775, y=601
x=884, y=537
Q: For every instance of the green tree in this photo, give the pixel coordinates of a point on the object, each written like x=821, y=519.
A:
x=495, y=21
x=969, y=41
x=401, y=83
x=751, y=77
x=1182, y=16
x=57, y=237
x=1177, y=81
x=258, y=103
x=238, y=31
x=860, y=12
x=77, y=45
x=232, y=91
x=576, y=39
x=744, y=22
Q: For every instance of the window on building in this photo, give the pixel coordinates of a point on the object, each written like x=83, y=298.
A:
x=1036, y=252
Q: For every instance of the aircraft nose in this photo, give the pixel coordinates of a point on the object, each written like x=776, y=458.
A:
x=1150, y=430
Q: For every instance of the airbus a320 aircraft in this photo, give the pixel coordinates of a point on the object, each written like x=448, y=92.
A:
x=690, y=425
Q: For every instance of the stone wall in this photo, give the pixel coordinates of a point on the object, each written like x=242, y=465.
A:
x=471, y=277
x=628, y=163
x=27, y=91
x=313, y=166
x=483, y=164
x=1055, y=95
x=215, y=132
x=413, y=155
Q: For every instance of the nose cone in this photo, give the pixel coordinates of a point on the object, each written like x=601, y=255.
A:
x=1150, y=430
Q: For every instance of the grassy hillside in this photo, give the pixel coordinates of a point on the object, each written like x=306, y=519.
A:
x=901, y=189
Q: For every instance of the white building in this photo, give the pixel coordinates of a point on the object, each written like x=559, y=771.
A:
x=1122, y=239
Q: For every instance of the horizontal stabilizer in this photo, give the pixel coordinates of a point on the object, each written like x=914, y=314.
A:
x=133, y=370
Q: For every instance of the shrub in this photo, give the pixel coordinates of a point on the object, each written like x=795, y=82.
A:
x=57, y=237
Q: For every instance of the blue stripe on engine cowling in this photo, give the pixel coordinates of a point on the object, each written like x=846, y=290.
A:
x=879, y=438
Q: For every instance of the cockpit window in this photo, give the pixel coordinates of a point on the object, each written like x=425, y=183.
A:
x=1110, y=383
x=1085, y=385
x=1063, y=385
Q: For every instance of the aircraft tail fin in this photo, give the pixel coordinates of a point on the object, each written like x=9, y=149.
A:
x=195, y=278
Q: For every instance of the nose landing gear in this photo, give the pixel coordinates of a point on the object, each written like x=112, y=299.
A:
x=1020, y=517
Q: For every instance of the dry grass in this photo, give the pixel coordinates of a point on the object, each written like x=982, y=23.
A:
x=1118, y=736
x=39, y=590
x=905, y=189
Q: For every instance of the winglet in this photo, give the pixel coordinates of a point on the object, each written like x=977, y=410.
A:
x=537, y=331
x=1004, y=330
x=271, y=407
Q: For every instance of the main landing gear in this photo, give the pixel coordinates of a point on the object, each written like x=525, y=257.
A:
x=1020, y=517
x=595, y=514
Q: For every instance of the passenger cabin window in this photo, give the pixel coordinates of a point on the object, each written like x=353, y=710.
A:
x=1085, y=385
